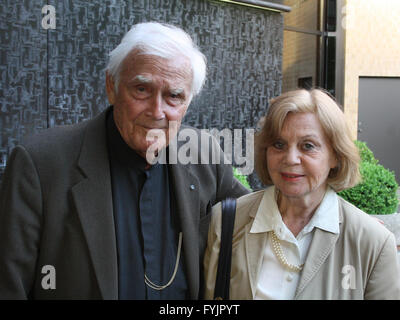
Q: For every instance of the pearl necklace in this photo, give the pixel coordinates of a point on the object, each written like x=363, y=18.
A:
x=281, y=257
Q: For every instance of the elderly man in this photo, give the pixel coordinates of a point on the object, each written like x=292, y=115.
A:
x=83, y=215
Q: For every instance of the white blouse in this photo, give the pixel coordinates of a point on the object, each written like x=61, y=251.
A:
x=275, y=281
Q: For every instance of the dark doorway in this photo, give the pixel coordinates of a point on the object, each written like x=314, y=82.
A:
x=379, y=119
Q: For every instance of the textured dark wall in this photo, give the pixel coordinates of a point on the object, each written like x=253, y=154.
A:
x=23, y=69
x=55, y=77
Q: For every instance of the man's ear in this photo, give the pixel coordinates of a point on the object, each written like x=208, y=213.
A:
x=110, y=89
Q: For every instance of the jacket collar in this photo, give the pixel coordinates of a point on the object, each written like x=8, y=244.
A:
x=268, y=217
x=321, y=246
x=93, y=201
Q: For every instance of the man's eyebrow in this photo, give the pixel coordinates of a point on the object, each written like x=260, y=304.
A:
x=142, y=79
x=177, y=91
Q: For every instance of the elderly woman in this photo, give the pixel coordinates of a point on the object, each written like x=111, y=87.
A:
x=298, y=239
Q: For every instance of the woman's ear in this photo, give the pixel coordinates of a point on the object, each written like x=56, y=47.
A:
x=334, y=165
x=334, y=160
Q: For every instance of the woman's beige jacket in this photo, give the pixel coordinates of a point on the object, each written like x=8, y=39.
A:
x=363, y=244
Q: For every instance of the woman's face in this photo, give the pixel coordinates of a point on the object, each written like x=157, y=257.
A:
x=300, y=159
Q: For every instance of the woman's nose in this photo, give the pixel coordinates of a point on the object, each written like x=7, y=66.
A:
x=292, y=156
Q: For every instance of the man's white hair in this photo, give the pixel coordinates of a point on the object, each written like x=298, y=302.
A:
x=163, y=40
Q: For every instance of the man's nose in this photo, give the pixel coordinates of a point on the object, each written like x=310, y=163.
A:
x=156, y=107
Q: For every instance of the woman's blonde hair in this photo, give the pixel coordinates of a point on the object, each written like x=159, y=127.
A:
x=333, y=122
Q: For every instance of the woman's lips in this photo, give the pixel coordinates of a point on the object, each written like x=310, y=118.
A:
x=292, y=177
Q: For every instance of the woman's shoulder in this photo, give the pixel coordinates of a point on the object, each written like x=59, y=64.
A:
x=242, y=203
x=249, y=200
x=359, y=223
x=245, y=205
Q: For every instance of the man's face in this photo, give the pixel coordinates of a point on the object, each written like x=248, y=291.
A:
x=152, y=92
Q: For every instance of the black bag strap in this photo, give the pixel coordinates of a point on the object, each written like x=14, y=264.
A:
x=222, y=282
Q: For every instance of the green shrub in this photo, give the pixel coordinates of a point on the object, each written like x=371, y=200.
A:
x=242, y=178
x=377, y=193
x=365, y=153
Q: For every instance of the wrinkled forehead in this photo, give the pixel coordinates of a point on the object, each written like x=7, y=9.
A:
x=282, y=120
x=147, y=67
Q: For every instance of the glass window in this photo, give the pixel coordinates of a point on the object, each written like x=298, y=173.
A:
x=309, y=54
x=300, y=60
x=304, y=14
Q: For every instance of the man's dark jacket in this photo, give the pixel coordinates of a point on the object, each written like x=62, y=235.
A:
x=56, y=209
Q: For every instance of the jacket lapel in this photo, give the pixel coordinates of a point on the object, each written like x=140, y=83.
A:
x=321, y=246
x=255, y=245
x=185, y=186
x=93, y=201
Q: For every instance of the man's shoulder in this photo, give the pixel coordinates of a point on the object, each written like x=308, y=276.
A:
x=60, y=139
x=54, y=137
